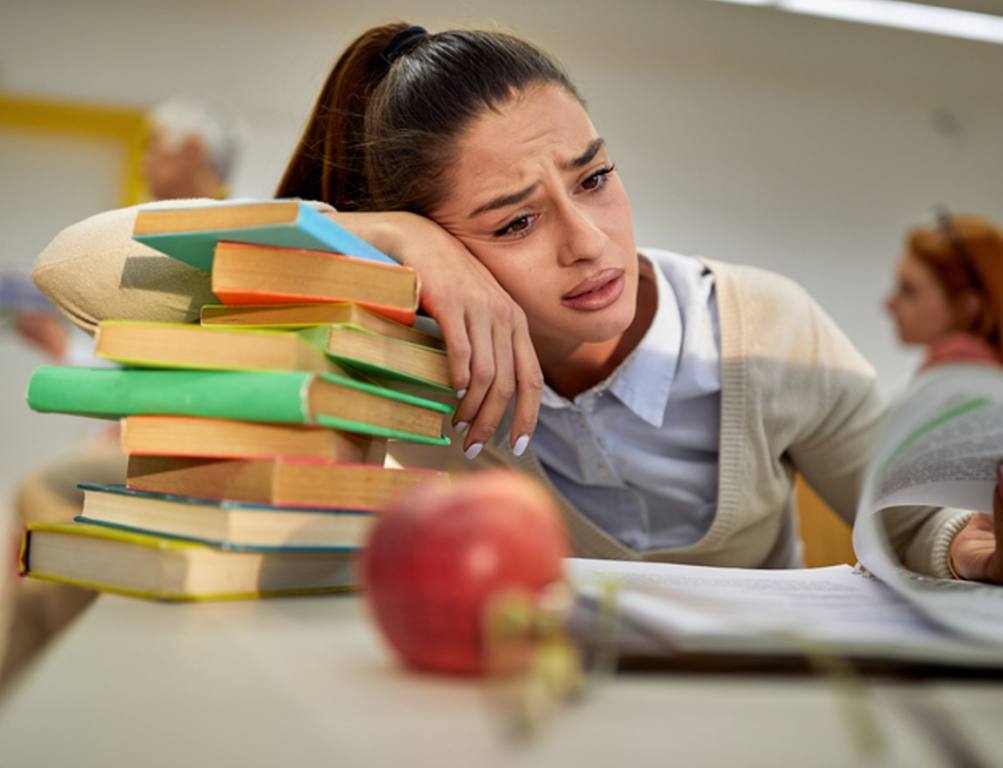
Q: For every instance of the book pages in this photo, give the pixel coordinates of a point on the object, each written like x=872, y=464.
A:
x=836, y=611
x=941, y=447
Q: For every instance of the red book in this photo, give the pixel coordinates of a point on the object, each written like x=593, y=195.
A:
x=258, y=274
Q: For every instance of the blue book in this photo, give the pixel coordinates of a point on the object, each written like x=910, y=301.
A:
x=190, y=234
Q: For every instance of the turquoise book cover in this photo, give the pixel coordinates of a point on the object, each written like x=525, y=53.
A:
x=190, y=234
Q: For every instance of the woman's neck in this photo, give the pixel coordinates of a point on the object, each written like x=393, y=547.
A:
x=569, y=371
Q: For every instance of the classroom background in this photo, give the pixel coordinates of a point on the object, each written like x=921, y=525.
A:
x=803, y=144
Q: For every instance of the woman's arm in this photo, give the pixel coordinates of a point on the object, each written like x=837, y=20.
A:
x=835, y=441
x=491, y=355
x=94, y=271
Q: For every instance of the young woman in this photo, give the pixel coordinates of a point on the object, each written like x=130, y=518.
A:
x=668, y=402
x=949, y=293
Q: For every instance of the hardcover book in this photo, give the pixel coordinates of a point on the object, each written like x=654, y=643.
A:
x=229, y=525
x=159, y=568
x=284, y=397
x=254, y=274
x=282, y=482
x=190, y=234
x=371, y=353
x=231, y=439
x=298, y=316
x=181, y=345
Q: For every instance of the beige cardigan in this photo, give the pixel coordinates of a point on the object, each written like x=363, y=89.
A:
x=795, y=397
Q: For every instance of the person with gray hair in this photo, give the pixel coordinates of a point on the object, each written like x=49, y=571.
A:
x=192, y=152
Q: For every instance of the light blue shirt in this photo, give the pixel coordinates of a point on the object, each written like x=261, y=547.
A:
x=637, y=454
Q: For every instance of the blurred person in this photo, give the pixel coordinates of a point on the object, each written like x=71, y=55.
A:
x=949, y=292
x=192, y=152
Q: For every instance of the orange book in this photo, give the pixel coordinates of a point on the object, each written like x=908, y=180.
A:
x=257, y=274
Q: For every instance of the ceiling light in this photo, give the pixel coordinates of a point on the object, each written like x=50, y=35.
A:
x=898, y=14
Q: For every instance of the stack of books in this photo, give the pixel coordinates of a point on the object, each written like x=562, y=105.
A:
x=256, y=440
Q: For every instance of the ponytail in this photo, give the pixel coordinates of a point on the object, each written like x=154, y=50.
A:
x=383, y=132
x=328, y=163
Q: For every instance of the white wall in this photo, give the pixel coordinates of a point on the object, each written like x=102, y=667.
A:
x=796, y=143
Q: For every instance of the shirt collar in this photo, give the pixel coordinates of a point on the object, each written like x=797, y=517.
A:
x=643, y=381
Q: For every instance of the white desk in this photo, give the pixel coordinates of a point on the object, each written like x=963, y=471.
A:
x=303, y=682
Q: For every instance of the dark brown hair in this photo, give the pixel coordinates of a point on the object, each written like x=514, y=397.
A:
x=383, y=129
x=965, y=255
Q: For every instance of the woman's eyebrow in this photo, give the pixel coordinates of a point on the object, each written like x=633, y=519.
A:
x=502, y=201
x=585, y=157
x=505, y=200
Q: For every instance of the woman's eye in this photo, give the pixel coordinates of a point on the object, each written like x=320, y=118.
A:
x=598, y=179
x=516, y=226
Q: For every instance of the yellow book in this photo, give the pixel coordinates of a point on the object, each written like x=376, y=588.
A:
x=297, y=316
x=160, y=568
x=181, y=345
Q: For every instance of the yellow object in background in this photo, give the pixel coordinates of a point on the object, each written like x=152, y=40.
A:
x=826, y=537
x=124, y=125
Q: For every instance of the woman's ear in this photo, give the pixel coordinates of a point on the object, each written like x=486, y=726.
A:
x=968, y=309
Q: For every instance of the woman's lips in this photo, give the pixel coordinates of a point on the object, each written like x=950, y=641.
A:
x=598, y=292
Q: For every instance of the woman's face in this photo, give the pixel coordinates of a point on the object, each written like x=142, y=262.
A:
x=533, y=195
x=919, y=304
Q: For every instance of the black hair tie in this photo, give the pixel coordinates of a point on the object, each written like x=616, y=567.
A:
x=403, y=43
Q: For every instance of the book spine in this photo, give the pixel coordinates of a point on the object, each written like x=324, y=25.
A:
x=102, y=392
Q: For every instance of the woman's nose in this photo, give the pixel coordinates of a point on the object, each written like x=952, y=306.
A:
x=583, y=239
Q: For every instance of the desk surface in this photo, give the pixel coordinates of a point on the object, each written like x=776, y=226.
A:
x=307, y=682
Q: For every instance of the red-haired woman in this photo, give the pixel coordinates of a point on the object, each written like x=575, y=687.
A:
x=949, y=294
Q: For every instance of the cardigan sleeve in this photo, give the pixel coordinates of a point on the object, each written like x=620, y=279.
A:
x=834, y=444
x=93, y=270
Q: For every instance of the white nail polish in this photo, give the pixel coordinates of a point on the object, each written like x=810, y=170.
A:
x=520, y=445
x=473, y=450
x=461, y=427
x=461, y=393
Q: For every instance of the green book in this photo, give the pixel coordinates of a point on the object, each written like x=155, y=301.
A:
x=289, y=397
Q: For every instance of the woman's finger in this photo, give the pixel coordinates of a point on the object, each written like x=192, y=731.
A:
x=499, y=394
x=529, y=388
x=995, y=569
x=482, y=371
x=454, y=333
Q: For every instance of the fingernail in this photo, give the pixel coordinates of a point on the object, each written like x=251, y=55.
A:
x=461, y=427
x=473, y=450
x=461, y=393
x=520, y=445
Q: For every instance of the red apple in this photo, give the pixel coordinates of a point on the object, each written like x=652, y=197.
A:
x=437, y=557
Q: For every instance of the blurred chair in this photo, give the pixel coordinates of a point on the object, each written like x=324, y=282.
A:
x=827, y=539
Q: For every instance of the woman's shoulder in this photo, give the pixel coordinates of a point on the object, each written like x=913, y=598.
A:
x=771, y=316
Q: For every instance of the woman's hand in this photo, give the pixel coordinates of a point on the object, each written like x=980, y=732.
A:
x=977, y=551
x=491, y=355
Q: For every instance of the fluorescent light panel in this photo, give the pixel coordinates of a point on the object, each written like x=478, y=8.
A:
x=931, y=19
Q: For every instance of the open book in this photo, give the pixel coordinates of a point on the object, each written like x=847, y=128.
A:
x=940, y=447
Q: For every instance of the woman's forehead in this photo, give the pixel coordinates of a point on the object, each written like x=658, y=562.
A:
x=543, y=126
